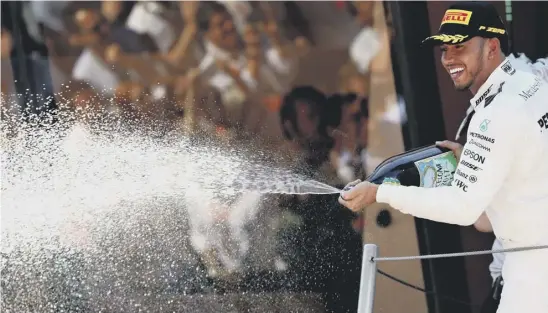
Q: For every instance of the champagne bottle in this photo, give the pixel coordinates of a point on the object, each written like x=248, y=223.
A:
x=429, y=166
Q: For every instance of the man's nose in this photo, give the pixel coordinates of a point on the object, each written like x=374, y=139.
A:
x=447, y=58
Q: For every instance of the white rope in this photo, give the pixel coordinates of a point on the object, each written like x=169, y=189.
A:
x=459, y=254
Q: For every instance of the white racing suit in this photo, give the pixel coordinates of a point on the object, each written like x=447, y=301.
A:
x=540, y=68
x=504, y=168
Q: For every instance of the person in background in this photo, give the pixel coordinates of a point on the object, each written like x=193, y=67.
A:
x=32, y=74
x=344, y=119
x=367, y=42
x=221, y=65
x=114, y=28
x=146, y=20
x=8, y=88
x=301, y=118
x=9, y=104
x=226, y=64
x=91, y=66
x=303, y=121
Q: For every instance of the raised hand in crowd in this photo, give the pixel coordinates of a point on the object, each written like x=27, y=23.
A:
x=234, y=73
x=253, y=51
x=179, y=51
x=188, y=10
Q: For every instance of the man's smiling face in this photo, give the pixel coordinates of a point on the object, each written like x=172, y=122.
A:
x=464, y=62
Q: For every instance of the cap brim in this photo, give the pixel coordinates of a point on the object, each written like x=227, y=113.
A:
x=448, y=39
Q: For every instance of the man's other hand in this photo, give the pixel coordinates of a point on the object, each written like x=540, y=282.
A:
x=361, y=195
x=453, y=146
x=483, y=224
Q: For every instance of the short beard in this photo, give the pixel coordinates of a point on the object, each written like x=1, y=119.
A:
x=465, y=87
x=474, y=75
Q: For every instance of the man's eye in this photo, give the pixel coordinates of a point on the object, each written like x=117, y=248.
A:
x=459, y=46
x=443, y=49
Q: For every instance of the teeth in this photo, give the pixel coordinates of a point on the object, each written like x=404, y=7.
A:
x=456, y=70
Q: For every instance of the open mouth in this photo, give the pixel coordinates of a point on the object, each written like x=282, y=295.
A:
x=456, y=72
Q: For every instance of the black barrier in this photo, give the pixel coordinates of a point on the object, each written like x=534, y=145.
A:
x=419, y=87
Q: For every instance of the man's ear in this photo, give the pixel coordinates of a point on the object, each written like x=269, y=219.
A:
x=493, y=44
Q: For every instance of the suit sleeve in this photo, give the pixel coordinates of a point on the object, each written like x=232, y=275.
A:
x=540, y=67
x=479, y=177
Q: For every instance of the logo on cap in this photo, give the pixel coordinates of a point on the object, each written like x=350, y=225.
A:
x=493, y=30
x=456, y=17
x=454, y=39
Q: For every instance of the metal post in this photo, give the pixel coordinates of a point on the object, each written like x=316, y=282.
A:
x=367, y=280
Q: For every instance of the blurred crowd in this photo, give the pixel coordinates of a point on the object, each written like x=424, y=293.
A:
x=225, y=67
x=231, y=69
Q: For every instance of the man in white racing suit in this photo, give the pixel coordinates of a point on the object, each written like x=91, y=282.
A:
x=503, y=168
x=539, y=68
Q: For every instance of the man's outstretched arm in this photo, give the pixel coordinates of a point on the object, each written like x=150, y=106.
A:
x=479, y=176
